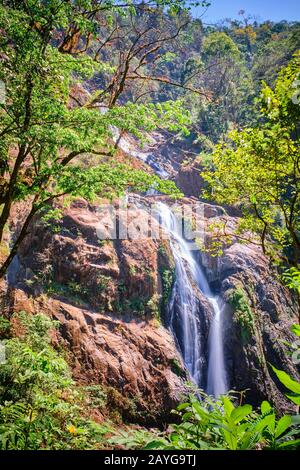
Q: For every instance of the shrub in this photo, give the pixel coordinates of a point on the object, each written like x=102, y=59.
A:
x=40, y=406
x=219, y=424
x=168, y=278
x=239, y=301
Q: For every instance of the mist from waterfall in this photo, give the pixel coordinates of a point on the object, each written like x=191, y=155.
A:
x=184, y=301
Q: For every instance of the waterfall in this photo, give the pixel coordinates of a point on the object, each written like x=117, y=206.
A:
x=183, y=293
x=216, y=376
x=184, y=301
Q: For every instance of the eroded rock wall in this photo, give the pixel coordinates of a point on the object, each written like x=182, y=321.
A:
x=108, y=297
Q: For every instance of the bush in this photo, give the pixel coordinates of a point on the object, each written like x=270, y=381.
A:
x=239, y=301
x=219, y=424
x=40, y=406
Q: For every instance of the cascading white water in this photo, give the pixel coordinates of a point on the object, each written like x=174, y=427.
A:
x=183, y=294
x=216, y=376
x=186, y=304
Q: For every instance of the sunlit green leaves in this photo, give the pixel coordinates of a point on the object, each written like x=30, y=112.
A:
x=219, y=44
x=291, y=277
x=290, y=384
x=50, y=117
x=257, y=169
x=222, y=424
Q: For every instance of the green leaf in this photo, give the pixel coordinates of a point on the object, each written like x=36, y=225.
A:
x=182, y=406
x=267, y=421
x=295, y=419
x=239, y=413
x=294, y=398
x=186, y=416
x=228, y=406
x=265, y=406
x=286, y=444
x=158, y=444
x=197, y=409
x=230, y=439
x=283, y=424
x=287, y=381
x=295, y=329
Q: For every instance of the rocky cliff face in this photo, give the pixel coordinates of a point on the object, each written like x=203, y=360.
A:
x=107, y=297
x=189, y=181
x=259, y=310
x=135, y=361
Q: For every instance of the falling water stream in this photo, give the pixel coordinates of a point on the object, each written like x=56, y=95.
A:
x=185, y=303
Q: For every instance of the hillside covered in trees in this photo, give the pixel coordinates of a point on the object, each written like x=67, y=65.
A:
x=149, y=228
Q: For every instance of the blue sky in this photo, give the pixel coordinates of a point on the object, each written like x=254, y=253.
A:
x=275, y=10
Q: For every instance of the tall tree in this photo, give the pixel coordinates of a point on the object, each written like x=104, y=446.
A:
x=45, y=126
x=258, y=169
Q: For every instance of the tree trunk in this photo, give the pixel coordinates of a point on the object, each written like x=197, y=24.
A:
x=20, y=238
x=11, y=187
x=23, y=151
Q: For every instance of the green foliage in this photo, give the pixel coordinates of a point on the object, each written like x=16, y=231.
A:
x=132, y=439
x=73, y=291
x=103, y=282
x=4, y=326
x=51, y=215
x=257, y=170
x=219, y=424
x=132, y=270
x=238, y=299
x=291, y=277
x=177, y=367
x=296, y=329
x=168, y=278
x=96, y=396
x=153, y=306
x=221, y=45
x=136, y=305
x=290, y=384
x=31, y=417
